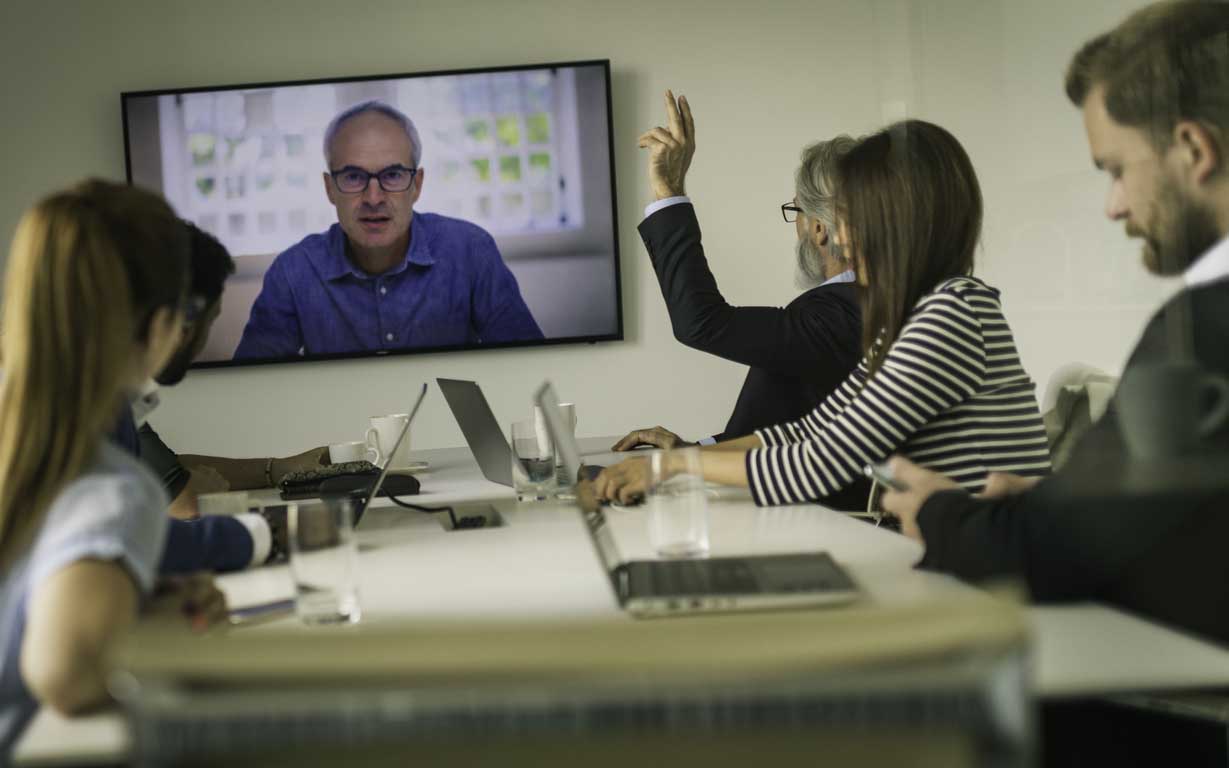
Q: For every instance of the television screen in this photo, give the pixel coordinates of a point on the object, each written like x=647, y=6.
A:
x=395, y=214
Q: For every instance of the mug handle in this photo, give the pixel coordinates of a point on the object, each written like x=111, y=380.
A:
x=1215, y=419
x=373, y=446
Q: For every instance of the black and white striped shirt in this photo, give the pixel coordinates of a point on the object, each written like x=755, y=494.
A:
x=950, y=395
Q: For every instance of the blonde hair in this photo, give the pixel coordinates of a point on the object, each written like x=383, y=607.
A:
x=88, y=268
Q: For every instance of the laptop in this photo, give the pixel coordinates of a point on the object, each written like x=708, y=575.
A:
x=485, y=437
x=482, y=432
x=649, y=588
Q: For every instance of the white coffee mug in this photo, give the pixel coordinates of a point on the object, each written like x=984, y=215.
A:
x=357, y=450
x=382, y=436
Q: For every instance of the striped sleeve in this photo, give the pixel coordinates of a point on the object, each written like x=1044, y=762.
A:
x=938, y=361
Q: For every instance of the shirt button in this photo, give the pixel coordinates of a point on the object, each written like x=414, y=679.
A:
x=383, y=290
x=388, y=336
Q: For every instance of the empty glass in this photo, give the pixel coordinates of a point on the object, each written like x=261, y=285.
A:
x=676, y=503
x=324, y=561
x=533, y=461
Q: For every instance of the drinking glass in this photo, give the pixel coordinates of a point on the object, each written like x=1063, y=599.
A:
x=676, y=503
x=533, y=461
x=324, y=561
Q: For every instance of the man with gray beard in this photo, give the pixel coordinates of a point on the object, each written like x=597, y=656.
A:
x=797, y=355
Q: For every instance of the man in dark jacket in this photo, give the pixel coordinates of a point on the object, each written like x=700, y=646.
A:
x=797, y=355
x=1151, y=92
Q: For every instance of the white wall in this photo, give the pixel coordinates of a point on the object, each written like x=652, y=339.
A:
x=763, y=78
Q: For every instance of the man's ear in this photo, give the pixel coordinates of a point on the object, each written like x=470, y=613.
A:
x=1198, y=150
x=421, y=176
x=818, y=232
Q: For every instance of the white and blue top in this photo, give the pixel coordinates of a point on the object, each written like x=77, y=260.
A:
x=115, y=511
x=951, y=395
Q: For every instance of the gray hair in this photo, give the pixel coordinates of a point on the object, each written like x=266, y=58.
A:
x=373, y=105
x=813, y=180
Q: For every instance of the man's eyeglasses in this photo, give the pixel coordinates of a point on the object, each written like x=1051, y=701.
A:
x=394, y=178
x=790, y=212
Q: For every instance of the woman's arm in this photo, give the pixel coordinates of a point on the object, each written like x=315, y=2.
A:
x=75, y=615
x=739, y=444
x=938, y=361
x=71, y=620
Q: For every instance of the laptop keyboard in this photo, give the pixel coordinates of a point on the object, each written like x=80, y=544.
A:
x=702, y=577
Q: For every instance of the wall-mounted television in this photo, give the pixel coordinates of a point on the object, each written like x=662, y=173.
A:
x=395, y=214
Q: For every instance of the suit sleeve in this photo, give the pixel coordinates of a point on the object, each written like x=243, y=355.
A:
x=776, y=339
x=219, y=543
x=1065, y=541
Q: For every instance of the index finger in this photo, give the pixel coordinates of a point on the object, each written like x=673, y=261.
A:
x=672, y=114
x=689, y=124
x=629, y=441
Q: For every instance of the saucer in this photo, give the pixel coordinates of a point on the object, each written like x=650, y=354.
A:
x=409, y=469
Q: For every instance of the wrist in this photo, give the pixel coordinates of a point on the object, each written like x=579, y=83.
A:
x=278, y=468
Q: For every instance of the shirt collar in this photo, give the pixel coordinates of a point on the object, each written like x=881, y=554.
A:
x=144, y=402
x=1212, y=266
x=845, y=277
x=418, y=254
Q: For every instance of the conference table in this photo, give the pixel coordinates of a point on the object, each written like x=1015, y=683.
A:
x=540, y=563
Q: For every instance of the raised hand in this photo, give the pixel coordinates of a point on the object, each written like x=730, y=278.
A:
x=670, y=149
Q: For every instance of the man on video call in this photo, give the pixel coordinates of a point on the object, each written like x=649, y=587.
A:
x=384, y=277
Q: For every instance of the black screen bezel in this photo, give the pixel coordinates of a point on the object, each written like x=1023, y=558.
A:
x=618, y=335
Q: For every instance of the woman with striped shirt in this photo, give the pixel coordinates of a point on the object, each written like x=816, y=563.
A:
x=940, y=381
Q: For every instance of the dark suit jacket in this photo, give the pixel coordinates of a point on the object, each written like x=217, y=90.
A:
x=1161, y=555
x=798, y=355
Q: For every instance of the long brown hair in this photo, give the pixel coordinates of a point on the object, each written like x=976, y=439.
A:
x=912, y=210
x=87, y=270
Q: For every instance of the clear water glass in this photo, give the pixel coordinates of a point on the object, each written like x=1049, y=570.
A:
x=533, y=461
x=324, y=561
x=676, y=503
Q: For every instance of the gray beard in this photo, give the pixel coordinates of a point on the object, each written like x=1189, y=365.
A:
x=808, y=265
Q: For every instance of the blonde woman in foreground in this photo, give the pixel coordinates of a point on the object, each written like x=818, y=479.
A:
x=92, y=307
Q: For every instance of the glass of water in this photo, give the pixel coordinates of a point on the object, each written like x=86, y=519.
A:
x=676, y=503
x=533, y=461
x=324, y=560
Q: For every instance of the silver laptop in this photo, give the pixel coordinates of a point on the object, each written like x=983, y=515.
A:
x=650, y=588
x=482, y=432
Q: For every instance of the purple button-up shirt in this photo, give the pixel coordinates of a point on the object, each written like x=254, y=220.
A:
x=452, y=288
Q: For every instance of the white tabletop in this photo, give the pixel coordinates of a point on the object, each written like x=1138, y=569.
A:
x=541, y=564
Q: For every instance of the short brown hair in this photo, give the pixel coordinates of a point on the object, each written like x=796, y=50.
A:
x=909, y=197
x=1166, y=62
